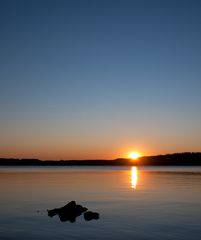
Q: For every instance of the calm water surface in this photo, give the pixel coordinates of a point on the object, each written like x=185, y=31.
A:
x=134, y=203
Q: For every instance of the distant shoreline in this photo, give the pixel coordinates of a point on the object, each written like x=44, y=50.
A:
x=176, y=159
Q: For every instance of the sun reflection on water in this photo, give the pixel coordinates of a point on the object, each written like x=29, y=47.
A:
x=134, y=177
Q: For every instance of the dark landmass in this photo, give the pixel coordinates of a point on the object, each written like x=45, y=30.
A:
x=176, y=159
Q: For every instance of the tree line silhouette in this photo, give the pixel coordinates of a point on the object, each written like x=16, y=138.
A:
x=176, y=159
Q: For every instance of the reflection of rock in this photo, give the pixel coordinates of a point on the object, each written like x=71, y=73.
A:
x=88, y=216
x=69, y=212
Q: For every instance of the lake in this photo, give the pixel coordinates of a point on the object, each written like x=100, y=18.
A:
x=134, y=203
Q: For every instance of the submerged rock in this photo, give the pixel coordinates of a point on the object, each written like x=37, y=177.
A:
x=88, y=216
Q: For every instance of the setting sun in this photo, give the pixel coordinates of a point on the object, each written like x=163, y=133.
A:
x=134, y=155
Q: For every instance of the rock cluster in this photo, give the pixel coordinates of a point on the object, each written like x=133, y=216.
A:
x=71, y=211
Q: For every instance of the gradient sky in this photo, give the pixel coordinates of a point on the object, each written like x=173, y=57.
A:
x=97, y=79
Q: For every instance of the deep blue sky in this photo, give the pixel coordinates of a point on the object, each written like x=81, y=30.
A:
x=96, y=79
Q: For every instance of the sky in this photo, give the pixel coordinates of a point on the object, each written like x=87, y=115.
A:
x=96, y=79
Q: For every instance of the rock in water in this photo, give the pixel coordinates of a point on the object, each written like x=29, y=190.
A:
x=53, y=212
x=69, y=212
x=88, y=216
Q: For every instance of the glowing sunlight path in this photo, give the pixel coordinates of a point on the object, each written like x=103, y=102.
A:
x=134, y=177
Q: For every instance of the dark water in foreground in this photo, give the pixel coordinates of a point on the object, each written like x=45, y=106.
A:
x=144, y=203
